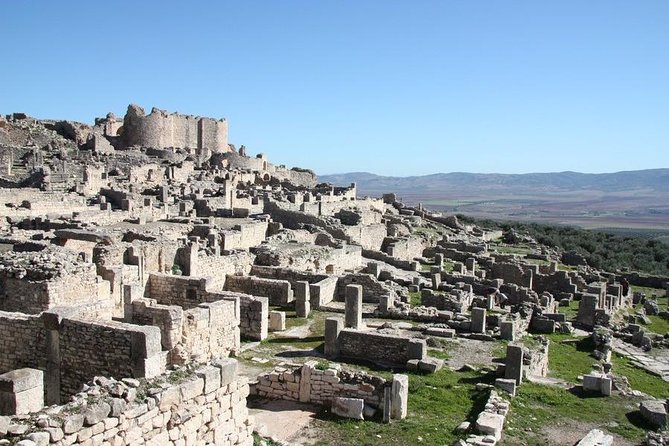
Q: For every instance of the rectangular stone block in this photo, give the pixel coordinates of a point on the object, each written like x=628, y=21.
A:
x=333, y=326
x=353, y=315
x=277, y=320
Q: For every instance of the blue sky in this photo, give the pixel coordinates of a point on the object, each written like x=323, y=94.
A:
x=390, y=87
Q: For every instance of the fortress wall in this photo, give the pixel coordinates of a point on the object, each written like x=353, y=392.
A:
x=160, y=129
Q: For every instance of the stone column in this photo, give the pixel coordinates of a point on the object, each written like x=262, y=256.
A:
x=506, y=331
x=514, y=363
x=353, y=314
x=302, y=303
x=400, y=397
x=436, y=280
x=439, y=260
x=333, y=325
x=386, y=302
x=471, y=266
x=478, y=320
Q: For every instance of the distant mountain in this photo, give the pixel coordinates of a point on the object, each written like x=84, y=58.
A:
x=632, y=199
x=651, y=180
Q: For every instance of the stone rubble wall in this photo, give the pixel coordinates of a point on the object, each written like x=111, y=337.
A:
x=559, y=282
x=307, y=383
x=254, y=314
x=211, y=330
x=279, y=292
x=372, y=289
x=168, y=318
x=208, y=407
x=512, y=273
x=405, y=248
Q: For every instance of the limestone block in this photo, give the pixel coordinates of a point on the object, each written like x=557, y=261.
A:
x=417, y=349
x=507, y=331
x=333, y=326
x=21, y=391
x=348, y=407
x=228, y=368
x=39, y=438
x=490, y=423
x=353, y=314
x=277, y=320
x=430, y=365
x=596, y=438
x=399, y=397
x=441, y=332
x=655, y=412
x=96, y=412
x=211, y=376
x=73, y=423
x=508, y=385
x=478, y=320
x=514, y=363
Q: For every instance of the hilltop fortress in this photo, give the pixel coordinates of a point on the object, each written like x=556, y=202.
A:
x=141, y=257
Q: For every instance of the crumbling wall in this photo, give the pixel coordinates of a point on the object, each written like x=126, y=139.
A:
x=208, y=407
x=160, y=129
x=210, y=330
x=512, y=273
x=307, y=383
x=217, y=268
x=372, y=289
x=254, y=312
x=244, y=236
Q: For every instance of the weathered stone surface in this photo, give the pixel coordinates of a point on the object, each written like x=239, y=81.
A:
x=96, y=412
x=596, y=437
x=508, y=385
x=430, y=365
x=490, y=423
x=348, y=407
x=654, y=411
x=399, y=397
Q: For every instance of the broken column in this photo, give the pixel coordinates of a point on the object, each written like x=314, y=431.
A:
x=436, y=280
x=21, y=392
x=400, y=397
x=353, y=315
x=302, y=303
x=386, y=302
x=478, y=320
x=514, y=363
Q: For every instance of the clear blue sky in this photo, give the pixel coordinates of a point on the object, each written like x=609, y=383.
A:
x=390, y=87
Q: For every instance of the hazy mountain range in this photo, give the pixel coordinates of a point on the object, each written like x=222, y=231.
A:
x=630, y=199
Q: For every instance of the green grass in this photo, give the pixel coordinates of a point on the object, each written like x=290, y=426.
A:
x=415, y=299
x=537, y=262
x=563, y=267
x=505, y=249
x=657, y=325
x=648, y=291
x=640, y=379
x=438, y=403
x=569, y=360
x=536, y=406
x=571, y=311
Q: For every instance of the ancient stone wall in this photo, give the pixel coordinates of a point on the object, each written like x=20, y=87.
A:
x=379, y=347
x=254, y=312
x=207, y=407
x=22, y=341
x=244, y=236
x=372, y=289
x=87, y=349
x=323, y=292
x=216, y=268
x=279, y=292
x=211, y=330
x=161, y=129
x=309, y=383
x=512, y=273
x=559, y=282
x=407, y=265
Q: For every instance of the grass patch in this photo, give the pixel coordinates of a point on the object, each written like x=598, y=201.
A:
x=415, y=299
x=438, y=403
x=568, y=360
x=571, y=311
x=640, y=379
x=536, y=406
x=657, y=325
x=648, y=291
x=519, y=249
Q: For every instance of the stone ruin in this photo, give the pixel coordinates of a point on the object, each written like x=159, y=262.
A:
x=137, y=254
